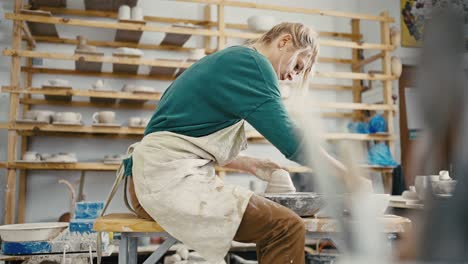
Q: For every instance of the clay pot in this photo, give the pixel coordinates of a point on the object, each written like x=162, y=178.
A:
x=395, y=37
x=397, y=67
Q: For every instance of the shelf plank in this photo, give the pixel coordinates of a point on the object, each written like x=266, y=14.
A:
x=132, y=96
x=84, y=93
x=319, y=86
x=99, y=166
x=109, y=25
x=288, y=9
x=146, y=106
x=252, y=135
x=343, y=75
x=85, y=166
x=322, y=42
x=52, y=71
x=172, y=20
x=117, y=44
x=114, y=44
x=85, y=129
x=360, y=137
x=356, y=106
x=255, y=135
x=336, y=115
x=173, y=64
x=94, y=58
x=39, y=133
x=355, y=76
x=179, y=30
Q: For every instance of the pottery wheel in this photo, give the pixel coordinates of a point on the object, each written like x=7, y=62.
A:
x=302, y=203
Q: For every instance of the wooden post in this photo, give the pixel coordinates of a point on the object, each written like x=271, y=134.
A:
x=24, y=147
x=387, y=89
x=15, y=72
x=357, y=84
x=207, y=17
x=221, y=26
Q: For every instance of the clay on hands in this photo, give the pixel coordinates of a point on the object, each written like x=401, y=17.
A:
x=280, y=182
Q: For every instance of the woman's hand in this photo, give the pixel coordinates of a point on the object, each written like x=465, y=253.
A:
x=262, y=168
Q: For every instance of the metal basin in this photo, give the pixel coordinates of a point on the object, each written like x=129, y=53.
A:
x=302, y=203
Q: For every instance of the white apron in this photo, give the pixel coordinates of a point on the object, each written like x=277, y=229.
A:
x=175, y=182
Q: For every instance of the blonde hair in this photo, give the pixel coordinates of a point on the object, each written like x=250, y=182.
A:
x=302, y=37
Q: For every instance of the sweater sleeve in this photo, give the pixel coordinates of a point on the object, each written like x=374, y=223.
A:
x=274, y=123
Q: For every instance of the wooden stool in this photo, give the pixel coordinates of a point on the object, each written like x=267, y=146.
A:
x=131, y=227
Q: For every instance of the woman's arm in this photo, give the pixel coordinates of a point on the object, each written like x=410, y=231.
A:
x=262, y=168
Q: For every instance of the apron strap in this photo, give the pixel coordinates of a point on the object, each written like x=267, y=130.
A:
x=120, y=175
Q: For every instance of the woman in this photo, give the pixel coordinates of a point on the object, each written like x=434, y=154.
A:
x=199, y=123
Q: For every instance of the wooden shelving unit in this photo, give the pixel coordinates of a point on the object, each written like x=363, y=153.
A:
x=37, y=28
x=100, y=166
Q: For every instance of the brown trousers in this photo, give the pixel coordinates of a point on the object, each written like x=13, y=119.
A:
x=278, y=232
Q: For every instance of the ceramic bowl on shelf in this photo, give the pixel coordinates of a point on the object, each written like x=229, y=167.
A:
x=31, y=156
x=144, y=89
x=62, y=157
x=421, y=183
x=128, y=88
x=261, y=23
x=128, y=51
x=67, y=117
x=443, y=187
x=57, y=82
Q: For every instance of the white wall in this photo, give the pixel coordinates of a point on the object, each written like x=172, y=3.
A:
x=47, y=200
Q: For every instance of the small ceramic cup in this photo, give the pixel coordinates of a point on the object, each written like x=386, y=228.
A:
x=31, y=115
x=45, y=156
x=67, y=117
x=134, y=121
x=137, y=13
x=31, y=156
x=44, y=116
x=58, y=82
x=99, y=85
x=124, y=12
x=144, y=122
x=104, y=117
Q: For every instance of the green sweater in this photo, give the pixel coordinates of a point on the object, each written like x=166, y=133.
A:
x=222, y=89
